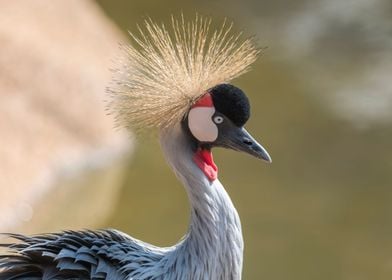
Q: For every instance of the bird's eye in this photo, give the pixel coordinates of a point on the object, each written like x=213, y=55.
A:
x=218, y=119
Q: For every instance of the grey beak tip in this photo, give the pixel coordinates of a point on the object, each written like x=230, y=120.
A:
x=264, y=155
x=267, y=159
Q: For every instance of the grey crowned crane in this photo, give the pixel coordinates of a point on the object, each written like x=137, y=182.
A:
x=174, y=80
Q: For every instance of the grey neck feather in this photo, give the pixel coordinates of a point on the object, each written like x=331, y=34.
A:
x=213, y=246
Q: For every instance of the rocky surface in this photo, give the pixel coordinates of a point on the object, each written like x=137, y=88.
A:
x=54, y=65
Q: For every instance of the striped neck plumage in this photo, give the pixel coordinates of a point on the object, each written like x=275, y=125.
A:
x=213, y=245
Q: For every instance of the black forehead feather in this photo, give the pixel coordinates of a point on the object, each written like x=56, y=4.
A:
x=231, y=102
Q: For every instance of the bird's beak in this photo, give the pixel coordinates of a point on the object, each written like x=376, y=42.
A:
x=238, y=139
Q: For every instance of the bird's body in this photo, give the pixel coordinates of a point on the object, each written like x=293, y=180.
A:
x=212, y=248
x=213, y=117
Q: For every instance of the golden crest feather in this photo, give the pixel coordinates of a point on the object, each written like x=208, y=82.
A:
x=169, y=69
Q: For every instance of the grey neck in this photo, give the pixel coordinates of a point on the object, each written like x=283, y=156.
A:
x=213, y=246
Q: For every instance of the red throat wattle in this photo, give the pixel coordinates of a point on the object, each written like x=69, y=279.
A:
x=203, y=159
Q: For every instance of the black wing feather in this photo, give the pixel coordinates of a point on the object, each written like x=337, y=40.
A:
x=67, y=255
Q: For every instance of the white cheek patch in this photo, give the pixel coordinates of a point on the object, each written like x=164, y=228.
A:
x=201, y=125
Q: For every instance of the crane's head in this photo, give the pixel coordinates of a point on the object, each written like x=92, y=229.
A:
x=184, y=70
x=217, y=119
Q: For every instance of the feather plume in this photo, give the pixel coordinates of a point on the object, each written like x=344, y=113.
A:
x=167, y=70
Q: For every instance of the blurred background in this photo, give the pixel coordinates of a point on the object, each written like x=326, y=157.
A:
x=321, y=98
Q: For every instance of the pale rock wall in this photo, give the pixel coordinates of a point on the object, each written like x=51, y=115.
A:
x=54, y=65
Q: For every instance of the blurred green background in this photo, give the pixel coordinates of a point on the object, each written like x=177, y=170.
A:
x=321, y=103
